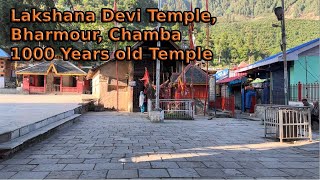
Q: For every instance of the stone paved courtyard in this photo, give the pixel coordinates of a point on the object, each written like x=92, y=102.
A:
x=18, y=110
x=111, y=145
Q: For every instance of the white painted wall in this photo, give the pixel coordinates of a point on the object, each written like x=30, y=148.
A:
x=1, y=82
x=293, y=103
x=96, y=85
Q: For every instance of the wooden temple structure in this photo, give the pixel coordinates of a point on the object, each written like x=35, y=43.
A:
x=56, y=76
x=130, y=73
x=131, y=79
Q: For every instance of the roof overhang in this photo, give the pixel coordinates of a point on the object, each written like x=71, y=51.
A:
x=59, y=74
x=292, y=55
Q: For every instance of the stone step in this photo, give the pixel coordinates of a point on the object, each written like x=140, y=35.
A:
x=14, y=143
x=13, y=134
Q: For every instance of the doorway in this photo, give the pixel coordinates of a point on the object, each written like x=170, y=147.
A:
x=56, y=84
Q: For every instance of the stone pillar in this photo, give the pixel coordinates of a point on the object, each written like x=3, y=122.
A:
x=156, y=116
x=130, y=89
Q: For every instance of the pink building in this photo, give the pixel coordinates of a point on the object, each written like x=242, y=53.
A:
x=55, y=76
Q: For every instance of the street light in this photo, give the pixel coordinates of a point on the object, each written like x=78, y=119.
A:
x=279, y=12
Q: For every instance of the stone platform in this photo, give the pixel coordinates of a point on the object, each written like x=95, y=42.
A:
x=26, y=117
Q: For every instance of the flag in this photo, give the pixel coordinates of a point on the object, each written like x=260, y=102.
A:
x=145, y=77
x=190, y=30
x=181, y=84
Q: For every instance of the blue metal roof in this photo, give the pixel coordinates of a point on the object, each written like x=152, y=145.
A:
x=288, y=51
x=3, y=54
x=276, y=57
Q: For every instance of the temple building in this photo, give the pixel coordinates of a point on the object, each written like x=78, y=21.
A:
x=130, y=73
x=57, y=76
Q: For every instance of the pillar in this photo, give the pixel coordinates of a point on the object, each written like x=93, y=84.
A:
x=299, y=91
x=130, y=97
x=45, y=83
x=60, y=83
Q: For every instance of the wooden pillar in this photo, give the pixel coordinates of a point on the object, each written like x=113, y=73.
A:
x=45, y=83
x=80, y=84
x=77, y=84
x=28, y=82
x=60, y=83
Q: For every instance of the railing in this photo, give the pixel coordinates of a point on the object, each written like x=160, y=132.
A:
x=308, y=91
x=34, y=89
x=287, y=122
x=10, y=84
x=70, y=89
x=175, y=108
x=224, y=103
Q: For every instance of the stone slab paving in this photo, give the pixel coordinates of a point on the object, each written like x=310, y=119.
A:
x=17, y=111
x=127, y=145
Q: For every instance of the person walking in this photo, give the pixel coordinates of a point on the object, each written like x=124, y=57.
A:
x=141, y=101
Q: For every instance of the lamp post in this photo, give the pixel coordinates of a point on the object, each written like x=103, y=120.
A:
x=279, y=12
x=158, y=68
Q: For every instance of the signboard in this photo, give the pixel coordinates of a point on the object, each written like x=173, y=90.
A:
x=212, y=88
x=222, y=74
x=132, y=83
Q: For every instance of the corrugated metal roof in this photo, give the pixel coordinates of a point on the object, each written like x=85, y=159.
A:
x=276, y=57
x=3, y=54
x=195, y=73
x=62, y=67
x=227, y=80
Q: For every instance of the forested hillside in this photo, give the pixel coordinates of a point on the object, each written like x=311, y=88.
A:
x=254, y=40
x=308, y=9
x=244, y=30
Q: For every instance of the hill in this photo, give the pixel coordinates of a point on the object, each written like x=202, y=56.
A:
x=239, y=9
x=256, y=39
x=243, y=31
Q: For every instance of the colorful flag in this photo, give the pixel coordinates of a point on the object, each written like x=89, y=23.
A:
x=145, y=77
x=181, y=84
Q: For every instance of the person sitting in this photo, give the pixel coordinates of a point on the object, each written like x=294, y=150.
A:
x=306, y=103
x=314, y=108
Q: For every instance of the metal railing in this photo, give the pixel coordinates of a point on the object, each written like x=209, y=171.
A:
x=308, y=91
x=175, y=108
x=224, y=103
x=288, y=122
